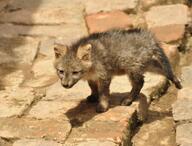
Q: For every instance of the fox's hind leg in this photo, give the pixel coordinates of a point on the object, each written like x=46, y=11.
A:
x=94, y=91
x=137, y=81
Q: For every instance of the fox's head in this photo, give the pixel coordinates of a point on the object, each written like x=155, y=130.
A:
x=72, y=63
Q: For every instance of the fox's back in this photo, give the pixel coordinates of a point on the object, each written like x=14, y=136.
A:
x=119, y=49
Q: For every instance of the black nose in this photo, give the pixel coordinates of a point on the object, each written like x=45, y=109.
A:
x=66, y=86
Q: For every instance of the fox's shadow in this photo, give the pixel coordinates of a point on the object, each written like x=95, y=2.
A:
x=85, y=111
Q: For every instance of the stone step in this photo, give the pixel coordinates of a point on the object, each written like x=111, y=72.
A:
x=89, y=126
x=14, y=101
x=27, y=128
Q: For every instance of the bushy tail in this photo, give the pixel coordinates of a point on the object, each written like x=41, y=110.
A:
x=163, y=60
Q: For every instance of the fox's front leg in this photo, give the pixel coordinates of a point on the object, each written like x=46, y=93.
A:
x=103, y=89
x=94, y=91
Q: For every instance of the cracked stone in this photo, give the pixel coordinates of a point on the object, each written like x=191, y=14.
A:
x=36, y=142
x=98, y=130
x=161, y=22
x=184, y=134
x=14, y=101
x=150, y=133
x=52, y=129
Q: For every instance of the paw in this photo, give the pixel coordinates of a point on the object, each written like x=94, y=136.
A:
x=101, y=108
x=92, y=98
x=126, y=101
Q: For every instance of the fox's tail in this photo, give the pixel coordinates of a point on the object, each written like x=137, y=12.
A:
x=163, y=60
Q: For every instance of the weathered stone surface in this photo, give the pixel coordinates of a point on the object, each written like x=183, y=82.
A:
x=184, y=134
x=44, y=16
x=185, y=93
x=66, y=31
x=46, y=48
x=14, y=101
x=20, y=51
x=52, y=129
x=92, y=6
x=182, y=109
x=13, y=79
x=146, y=4
x=103, y=21
x=156, y=133
x=117, y=114
x=186, y=76
x=51, y=109
x=92, y=143
x=161, y=21
x=35, y=4
x=57, y=92
x=98, y=130
x=36, y=142
x=43, y=74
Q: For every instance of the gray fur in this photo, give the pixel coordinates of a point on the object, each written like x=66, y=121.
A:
x=115, y=52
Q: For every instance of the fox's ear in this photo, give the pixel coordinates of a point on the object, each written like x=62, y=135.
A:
x=84, y=52
x=60, y=50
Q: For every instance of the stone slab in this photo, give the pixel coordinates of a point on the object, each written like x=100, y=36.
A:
x=36, y=142
x=51, y=109
x=98, y=130
x=185, y=93
x=13, y=79
x=184, y=134
x=156, y=132
x=44, y=16
x=14, y=101
x=182, y=109
x=29, y=128
x=186, y=76
x=92, y=6
x=92, y=143
x=161, y=21
x=65, y=32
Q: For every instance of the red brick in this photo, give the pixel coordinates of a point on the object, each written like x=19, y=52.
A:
x=104, y=21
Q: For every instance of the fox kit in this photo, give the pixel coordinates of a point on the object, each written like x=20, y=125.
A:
x=100, y=56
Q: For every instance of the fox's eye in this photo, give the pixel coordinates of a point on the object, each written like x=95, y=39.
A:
x=75, y=72
x=61, y=71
